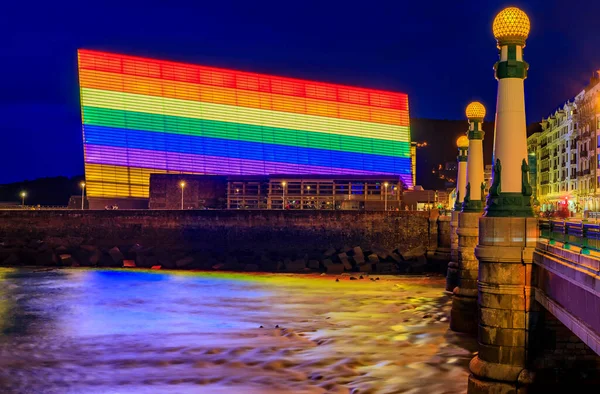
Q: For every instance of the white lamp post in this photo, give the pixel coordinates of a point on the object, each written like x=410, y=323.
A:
x=82, y=184
x=385, y=195
x=283, y=184
x=182, y=185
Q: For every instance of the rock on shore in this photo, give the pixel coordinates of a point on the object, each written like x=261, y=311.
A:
x=334, y=260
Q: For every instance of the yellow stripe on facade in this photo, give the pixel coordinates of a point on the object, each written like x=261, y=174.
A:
x=234, y=114
x=103, y=180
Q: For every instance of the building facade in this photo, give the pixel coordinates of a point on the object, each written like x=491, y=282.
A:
x=564, y=155
x=532, y=158
x=143, y=116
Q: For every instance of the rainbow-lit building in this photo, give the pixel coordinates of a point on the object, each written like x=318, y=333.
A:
x=143, y=116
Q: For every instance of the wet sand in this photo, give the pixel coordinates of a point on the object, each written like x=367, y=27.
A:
x=98, y=331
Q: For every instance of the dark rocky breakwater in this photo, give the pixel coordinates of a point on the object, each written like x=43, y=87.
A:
x=271, y=241
x=36, y=252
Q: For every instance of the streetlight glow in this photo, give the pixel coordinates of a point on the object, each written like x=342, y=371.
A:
x=182, y=185
x=23, y=195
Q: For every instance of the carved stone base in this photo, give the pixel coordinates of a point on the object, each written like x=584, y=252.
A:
x=508, y=205
x=463, y=317
x=464, y=314
x=452, y=276
x=504, y=379
x=508, y=311
x=473, y=206
x=478, y=386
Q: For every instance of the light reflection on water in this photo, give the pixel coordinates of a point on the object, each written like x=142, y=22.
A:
x=101, y=331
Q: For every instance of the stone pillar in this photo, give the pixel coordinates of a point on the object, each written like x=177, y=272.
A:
x=474, y=197
x=461, y=183
x=442, y=252
x=433, y=233
x=507, y=309
x=452, y=274
x=463, y=316
x=507, y=232
x=461, y=177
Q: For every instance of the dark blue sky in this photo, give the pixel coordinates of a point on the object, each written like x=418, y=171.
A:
x=440, y=53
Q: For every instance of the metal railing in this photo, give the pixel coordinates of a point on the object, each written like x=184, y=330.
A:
x=583, y=234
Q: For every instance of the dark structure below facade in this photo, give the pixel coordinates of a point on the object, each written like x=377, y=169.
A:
x=298, y=192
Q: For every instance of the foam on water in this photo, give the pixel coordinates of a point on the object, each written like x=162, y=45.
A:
x=95, y=331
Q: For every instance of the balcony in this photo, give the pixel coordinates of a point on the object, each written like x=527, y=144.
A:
x=545, y=169
x=544, y=144
x=545, y=156
x=585, y=134
x=574, y=161
x=545, y=182
x=586, y=172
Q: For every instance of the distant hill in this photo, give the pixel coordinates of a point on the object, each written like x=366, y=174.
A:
x=441, y=136
x=42, y=191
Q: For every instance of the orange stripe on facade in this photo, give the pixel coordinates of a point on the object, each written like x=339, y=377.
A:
x=180, y=72
x=238, y=97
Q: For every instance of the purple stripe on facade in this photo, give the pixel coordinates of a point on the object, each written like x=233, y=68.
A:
x=202, y=164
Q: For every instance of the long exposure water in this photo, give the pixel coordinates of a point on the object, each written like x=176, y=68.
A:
x=118, y=331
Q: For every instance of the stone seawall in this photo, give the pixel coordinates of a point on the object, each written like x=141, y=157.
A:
x=237, y=238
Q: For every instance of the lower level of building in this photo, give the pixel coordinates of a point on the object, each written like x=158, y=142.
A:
x=279, y=191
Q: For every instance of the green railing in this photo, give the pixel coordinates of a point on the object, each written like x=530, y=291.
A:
x=582, y=234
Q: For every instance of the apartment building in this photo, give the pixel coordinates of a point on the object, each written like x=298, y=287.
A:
x=563, y=156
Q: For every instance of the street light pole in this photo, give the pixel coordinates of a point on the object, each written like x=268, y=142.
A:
x=23, y=195
x=182, y=184
x=82, y=194
x=284, y=183
x=385, y=195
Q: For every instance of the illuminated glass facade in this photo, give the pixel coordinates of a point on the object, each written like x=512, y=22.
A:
x=143, y=116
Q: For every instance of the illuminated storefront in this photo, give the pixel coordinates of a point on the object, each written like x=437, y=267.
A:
x=143, y=116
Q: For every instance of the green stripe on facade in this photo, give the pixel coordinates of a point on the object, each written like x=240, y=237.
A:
x=242, y=132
